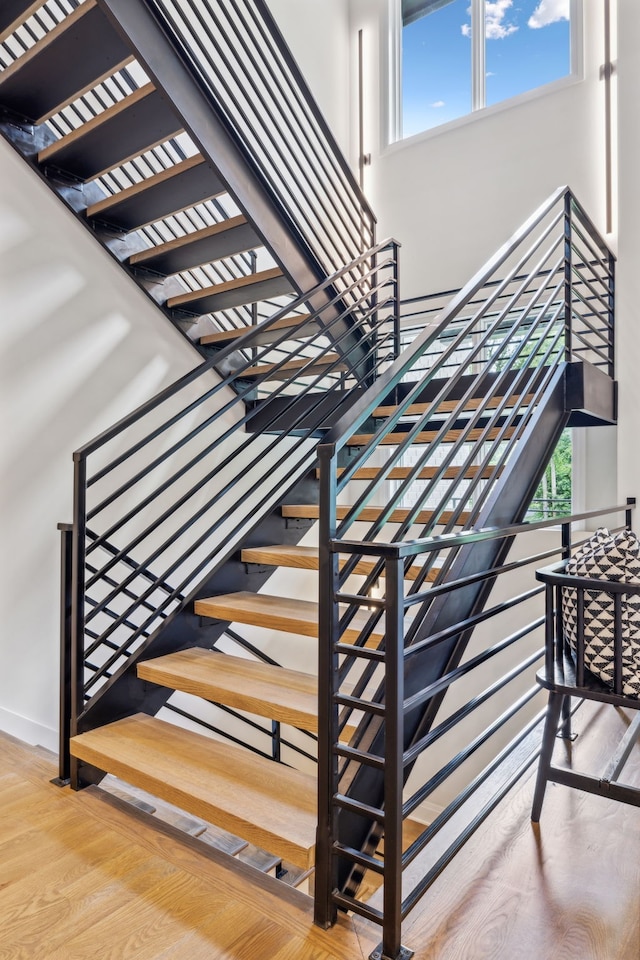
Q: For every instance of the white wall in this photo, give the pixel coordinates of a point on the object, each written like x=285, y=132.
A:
x=317, y=31
x=628, y=274
x=80, y=347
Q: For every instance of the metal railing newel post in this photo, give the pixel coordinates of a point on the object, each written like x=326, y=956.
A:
x=611, y=300
x=66, y=603
x=78, y=600
x=568, y=280
x=392, y=948
x=325, y=912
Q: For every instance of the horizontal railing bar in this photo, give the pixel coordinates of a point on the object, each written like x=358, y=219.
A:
x=589, y=225
x=357, y=806
x=427, y=643
x=356, y=703
x=412, y=548
x=600, y=258
x=438, y=778
x=595, y=295
x=352, y=905
x=359, y=756
x=470, y=706
x=363, y=653
x=452, y=808
x=427, y=880
x=356, y=856
x=469, y=665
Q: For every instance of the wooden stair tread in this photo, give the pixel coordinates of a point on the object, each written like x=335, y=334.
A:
x=88, y=46
x=426, y=473
x=277, y=371
x=295, y=323
x=259, y=688
x=135, y=124
x=232, y=293
x=212, y=243
x=272, y=806
x=417, y=409
x=15, y=12
x=278, y=613
x=307, y=558
x=311, y=511
x=183, y=185
x=429, y=436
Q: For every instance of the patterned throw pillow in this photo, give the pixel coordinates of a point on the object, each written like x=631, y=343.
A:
x=605, y=557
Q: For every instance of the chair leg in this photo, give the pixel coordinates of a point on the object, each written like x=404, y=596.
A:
x=554, y=708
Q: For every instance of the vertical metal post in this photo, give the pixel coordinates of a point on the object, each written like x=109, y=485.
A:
x=325, y=912
x=611, y=313
x=566, y=541
x=77, y=603
x=628, y=514
x=392, y=948
x=276, y=741
x=397, y=347
x=568, y=280
x=64, y=757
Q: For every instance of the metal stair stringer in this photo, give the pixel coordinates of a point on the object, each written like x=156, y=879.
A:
x=507, y=505
x=165, y=65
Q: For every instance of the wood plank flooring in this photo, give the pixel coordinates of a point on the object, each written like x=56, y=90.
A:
x=80, y=878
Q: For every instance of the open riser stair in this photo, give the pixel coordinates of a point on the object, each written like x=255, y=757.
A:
x=277, y=564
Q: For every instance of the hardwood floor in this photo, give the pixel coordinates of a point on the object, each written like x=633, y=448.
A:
x=81, y=878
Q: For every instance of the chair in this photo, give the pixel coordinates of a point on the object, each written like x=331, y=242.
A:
x=566, y=675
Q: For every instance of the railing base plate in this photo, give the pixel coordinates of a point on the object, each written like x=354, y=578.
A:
x=403, y=954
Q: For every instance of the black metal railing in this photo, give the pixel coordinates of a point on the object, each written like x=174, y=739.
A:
x=167, y=494
x=469, y=393
x=243, y=62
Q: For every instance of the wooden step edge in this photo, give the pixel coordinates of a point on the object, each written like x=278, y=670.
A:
x=429, y=436
x=214, y=230
x=314, y=365
x=277, y=693
x=227, y=336
x=275, y=613
x=272, y=807
x=120, y=107
x=98, y=209
x=47, y=39
x=311, y=511
x=307, y=558
x=426, y=473
x=417, y=409
x=86, y=89
x=194, y=295
x=20, y=19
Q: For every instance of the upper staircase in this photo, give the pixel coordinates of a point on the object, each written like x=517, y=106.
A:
x=330, y=471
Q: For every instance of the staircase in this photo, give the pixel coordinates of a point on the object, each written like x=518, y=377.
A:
x=320, y=433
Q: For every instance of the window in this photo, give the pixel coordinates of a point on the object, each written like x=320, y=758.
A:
x=459, y=56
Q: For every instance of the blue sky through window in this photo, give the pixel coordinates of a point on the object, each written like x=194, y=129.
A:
x=527, y=45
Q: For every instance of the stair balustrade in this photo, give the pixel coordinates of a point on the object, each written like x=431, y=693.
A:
x=478, y=405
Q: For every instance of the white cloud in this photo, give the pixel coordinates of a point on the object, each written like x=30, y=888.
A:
x=549, y=11
x=495, y=26
x=438, y=103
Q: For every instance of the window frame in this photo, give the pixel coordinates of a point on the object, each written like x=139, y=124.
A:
x=393, y=103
